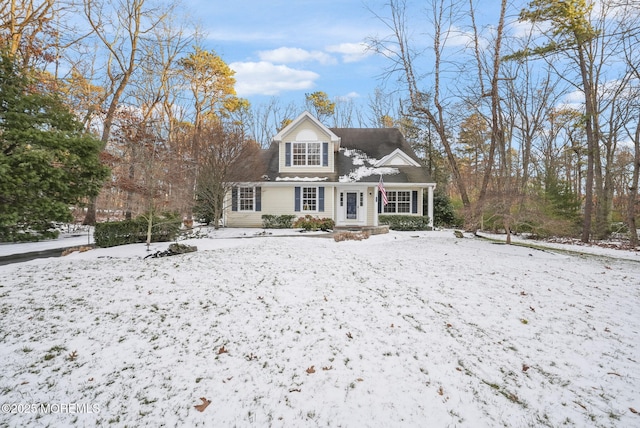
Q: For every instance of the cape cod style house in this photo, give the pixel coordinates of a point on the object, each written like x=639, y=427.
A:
x=333, y=173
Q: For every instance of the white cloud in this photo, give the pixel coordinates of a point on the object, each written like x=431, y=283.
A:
x=351, y=52
x=348, y=97
x=286, y=55
x=457, y=37
x=266, y=78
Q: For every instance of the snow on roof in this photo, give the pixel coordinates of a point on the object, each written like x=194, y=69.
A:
x=365, y=166
x=301, y=178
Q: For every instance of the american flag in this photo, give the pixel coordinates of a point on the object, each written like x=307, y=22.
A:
x=383, y=192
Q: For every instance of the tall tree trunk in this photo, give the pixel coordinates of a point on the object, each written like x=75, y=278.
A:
x=592, y=142
x=497, y=136
x=131, y=19
x=633, y=191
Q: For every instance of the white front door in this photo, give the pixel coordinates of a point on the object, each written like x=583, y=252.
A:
x=351, y=207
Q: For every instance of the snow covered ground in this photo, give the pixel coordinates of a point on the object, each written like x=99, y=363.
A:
x=405, y=329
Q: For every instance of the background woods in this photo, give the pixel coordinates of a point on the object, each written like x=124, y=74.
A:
x=526, y=116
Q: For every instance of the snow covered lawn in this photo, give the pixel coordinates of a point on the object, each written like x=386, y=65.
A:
x=404, y=329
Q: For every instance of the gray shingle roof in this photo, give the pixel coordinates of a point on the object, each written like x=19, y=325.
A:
x=372, y=143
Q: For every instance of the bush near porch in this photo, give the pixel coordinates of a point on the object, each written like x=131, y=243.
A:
x=405, y=222
x=270, y=221
x=310, y=223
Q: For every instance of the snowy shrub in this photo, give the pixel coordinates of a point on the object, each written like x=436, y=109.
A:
x=111, y=234
x=310, y=223
x=270, y=221
x=405, y=222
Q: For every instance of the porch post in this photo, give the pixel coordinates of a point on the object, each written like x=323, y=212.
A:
x=375, y=206
x=430, y=206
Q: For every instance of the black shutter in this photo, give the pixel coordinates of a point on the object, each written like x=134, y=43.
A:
x=325, y=154
x=379, y=202
x=287, y=154
x=234, y=199
x=258, y=195
x=297, y=199
x=414, y=202
x=321, y=199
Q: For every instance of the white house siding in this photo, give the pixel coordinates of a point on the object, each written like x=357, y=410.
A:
x=243, y=219
x=279, y=200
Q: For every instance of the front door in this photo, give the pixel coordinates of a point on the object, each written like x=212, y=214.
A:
x=352, y=206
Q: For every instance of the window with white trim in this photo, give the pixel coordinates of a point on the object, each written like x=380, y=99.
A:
x=399, y=202
x=306, y=154
x=309, y=199
x=246, y=198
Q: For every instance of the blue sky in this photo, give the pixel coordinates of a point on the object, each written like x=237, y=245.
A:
x=285, y=49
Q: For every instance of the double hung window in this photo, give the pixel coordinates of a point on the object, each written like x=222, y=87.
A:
x=307, y=154
x=246, y=198
x=309, y=199
x=399, y=202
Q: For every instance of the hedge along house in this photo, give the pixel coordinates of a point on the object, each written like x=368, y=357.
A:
x=333, y=173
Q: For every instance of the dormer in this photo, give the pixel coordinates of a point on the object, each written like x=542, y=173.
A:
x=396, y=158
x=306, y=146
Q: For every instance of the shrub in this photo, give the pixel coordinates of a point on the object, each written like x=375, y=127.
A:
x=22, y=233
x=270, y=221
x=443, y=210
x=405, y=222
x=111, y=234
x=310, y=223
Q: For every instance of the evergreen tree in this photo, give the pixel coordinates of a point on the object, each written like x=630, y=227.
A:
x=47, y=162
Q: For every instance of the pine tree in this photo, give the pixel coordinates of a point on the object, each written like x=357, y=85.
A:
x=47, y=162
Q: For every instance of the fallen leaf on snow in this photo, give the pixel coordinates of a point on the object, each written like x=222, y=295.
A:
x=581, y=405
x=525, y=367
x=311, y=370
x=205, y=403
x=222, y=350
x=349, y=335
x=633, y=410
x=327, y=368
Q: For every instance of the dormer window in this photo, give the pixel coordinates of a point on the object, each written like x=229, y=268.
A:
x=306, y=154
